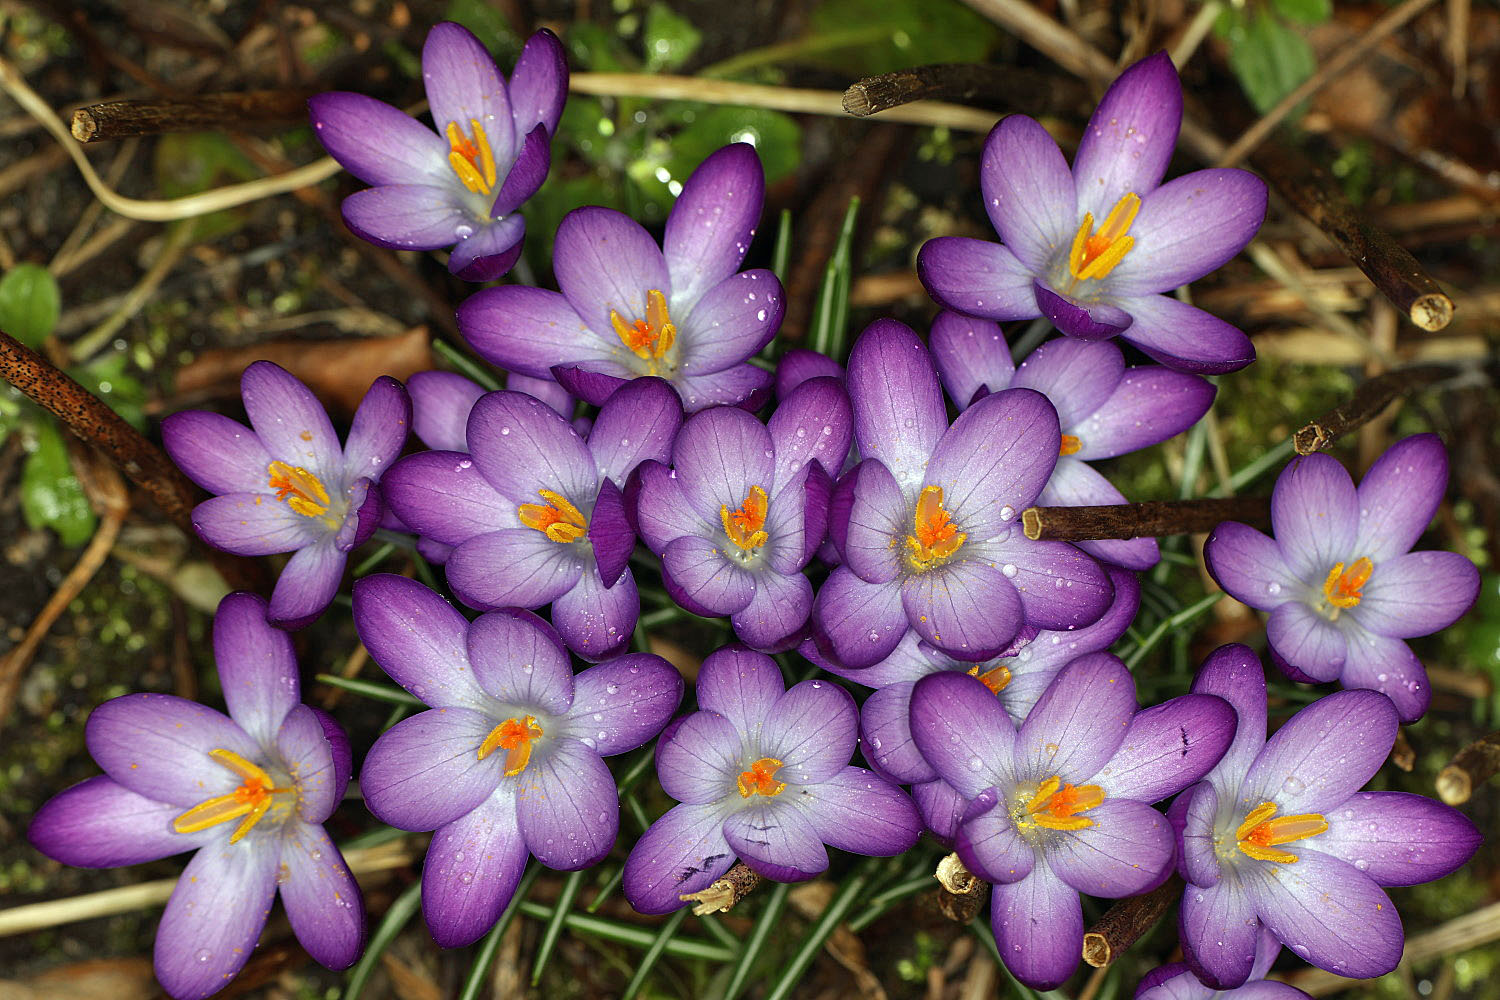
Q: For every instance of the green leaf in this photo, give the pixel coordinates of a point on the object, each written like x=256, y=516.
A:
x=29, y=303
x=107, y=378
x=670, y=39
x=1269, y=58
x=489, y=26
x=1304, y=11
x=775, y=136
x=896, y=34
x=191, y=163
x=51, y=496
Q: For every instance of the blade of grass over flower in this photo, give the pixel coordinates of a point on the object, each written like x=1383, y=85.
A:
x=373, y=559
x=1265, y=463
x=1030, y=339
x=1184, y=617
x=466, y=365
x=756, y=942
x=396, y=918
x=554, y=928
x=641, y=639
x=636, y=771
x=653, y=619
x=837, y=909
x=783, y=249
x=608, y=889
x=478, y=976
x=633, y=937
x=380, y=692
x=829, y=333
x=648, y=961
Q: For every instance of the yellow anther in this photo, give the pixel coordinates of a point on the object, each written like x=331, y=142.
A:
x=651, y=338
x=1344, y=588
x=472, y=160
x=1260, y=833
x=1055, y=805
x=515, y=737
x=760, y=779
x=1095, y=254
x=251, y=800
x=934, y=535
x=996, y=678
x=302, y=491
x=558, y=519
x=746, y=526
x=1070, y=445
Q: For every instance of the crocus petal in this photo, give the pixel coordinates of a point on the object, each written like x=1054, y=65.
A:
x=941, y=806
x=683, y=852
x=522, y=445
x=517, y=659
x=877, y=519
x=1397, y=838
x=1184, y=337
x=967, y=609
x=425, y=771
x=288, y=418
x=1249, y=566
x=596, y=621
x=1076, y=376
x=527, y=330
x=885, y=729
x=1417, y=594
x=1077, y=484
x=157, y=745
x=1028, y=191
x=662, y=511
x=490, y=250
x=440, y=404
x=1168, y=747
x=970, y=354
x=995, y=459
x=1306, y=640
x=377, y=143
x=622, y=704
x=962, y=731
x=472, y=868
x=254, y=524
x=417, y=638
x=1330, y=914
x=539, y=83
x=700, y=568
x=322, y=900
x=740, y=685
x=812, y=730
x=709, y=228
x=257, y=667
x=1130, y=137
x=799, y=364
x=568, y=807
x=1324, y=754
x=1397, y=496
x=517, y=567
x=594, y=382
x=701, y=759
x=639, y=423
x=463, y=84
x=746, y=386
x=857, y=623
x=1218, y=929
x=1199, y=858
x=1390, y=667
x=1061, y=588
x=99, y=823
x=989, y=844
x=977, y=278
x=407, y=216
x=1128, y=850
x=306, y=586
x=1079, y=723
x=777, y=841
x=545, y=389
x=526, y=174
x=1314, y=513
x=1079, y=318
x=1233, y=672
x=860, y=812
x=441, y=495
x=1038, y=925
x=719, y=455
x=1190, y=226
x=898, y=408
x=302, y=744
x=379, y=430
x=214, y=916
x=219, y=454
x=610, y=533
x=814, y=422
x=1150, y=404
x=606, y=261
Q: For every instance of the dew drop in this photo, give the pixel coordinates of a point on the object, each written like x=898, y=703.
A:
x=1007, y=512
x=1273, y=588
x=1009, y=569
x=611, y=688
x=1293, y=785
x=466, y=878
x=975, y=763
x=202, y=956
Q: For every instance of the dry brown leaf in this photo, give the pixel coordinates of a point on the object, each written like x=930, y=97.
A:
x=94, y=979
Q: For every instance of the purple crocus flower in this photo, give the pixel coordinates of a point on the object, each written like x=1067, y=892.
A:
x=1060, y=806
x=928, y=524
x=1105, y=409
x=249, y=793
x=507, y=763
x=745, y=508
x=682, y=310
x=1279, y=835
x=535, y=514
x=287, y=486
x=1338, y=581
x=1177, y=982
x=463, y=183
x=763, y=774
x=1093, y=247
x=1017, y=680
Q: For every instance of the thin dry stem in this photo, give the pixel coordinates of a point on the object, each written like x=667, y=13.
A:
x=724, y=893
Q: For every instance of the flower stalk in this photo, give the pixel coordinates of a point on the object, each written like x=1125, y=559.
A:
x=1473, y=766
x=1125, y=922
x=1368, y=401
x=1142, y=520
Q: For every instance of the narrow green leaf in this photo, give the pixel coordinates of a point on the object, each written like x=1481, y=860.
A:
x=554, y=928
x=633, y=937
x=1250, y=473
x=475, y=982
x=1304, y=11
x=838, y=908
x=782, y=254
x=756, y=942
x=466, y=365
x=882, y=903
x=1181, y=619
x=374, y=559
x=608, y=889
x=648, y=961
x=397, y=917
x=380, y=692
x=829, y=332
x=51, y=496
x=29, y=303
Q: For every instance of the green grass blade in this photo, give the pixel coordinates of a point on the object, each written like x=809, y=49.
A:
x=631, y=937
x=380, y=692
x=465, y=364
x=397, y=917
x=648, y=961
x=555, y=925
x=768, y=918
x=830, y=325
x=479, y=972
x=607, y=889
x=1184, y=617
x=838, y=908
x=781, y=256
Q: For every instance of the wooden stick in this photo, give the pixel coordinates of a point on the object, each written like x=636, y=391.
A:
x=210, y=112
x=1388, y=265
x=989, y=85
x=722, y=894
x=1124, y=923
x=1142, y=520
x=1368, y=400
x=1473, y=766
x=963, y=891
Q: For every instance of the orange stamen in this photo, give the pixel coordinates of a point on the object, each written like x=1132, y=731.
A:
x=1095, y=254
x=302, y=491
x=651, y=338
x=1344, y=588
x=746, y=526
x=761, y=779
x=472, y=160
x=515, y=737
x=1056, y=805
x=1260, y=833
x=252, y=799
x=558, y=519
x=934, y=536
x=996, y=678
x=1070, y=445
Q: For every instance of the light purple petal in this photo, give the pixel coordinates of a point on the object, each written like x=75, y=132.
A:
x=977, y=278
x=1061, y=588
x=306, y=586
x=99, y=823
x=522, y=445
x=859, y=623
x=814, y=422
x=774, y=618
x=1130, y=137
x=995, y=459
x=254, y=524
x=568, y=807
x=941, y=806
x=289, y=420
x=970, y=354
x=425, y=771
x=526, y=174
x=441, y=495
x=490, y=250
x=700, y=759
x=545, y=389
x=219, y=454
x=516, y=659
x=1397, y=838
x=1082, y=318
x=304, y=747
x=1390, y=667
x=1028, y=191
x=683, y=852
x=1331, y=915
x=639, y=423
x=1234, y=673
x=733, y=320
x=989, y=844
x=592, y=381
x=1077, y=484
x=955, y=721
x=1150, y=404
x=662, y=508
x=518, y=567
x=257, y=667
x=322, y=900
x=740, y=685
x=472, y=868
x=157, y=745
x=1219, y=929
x=1190, y=226
x=1249, y=566
x=709, y=229
x=1075, y=375
x=417, y=638
x=596, y=621
x=898, y=408
x=408, y=216
x=1417, y=594
x=860, y=812
x=1397, y=496
x=1079, y=723
x=339, y=749
x=463, y=84
x=877, y=522
x=379, y=430
x=1306, y=640
x=1168, y=747
x=885, y=731
x=967, y=609
x=1184, y=337
x=440, y=408
x=798, y=365
x=539, y=83
x=1199, y=859
x=719, y=455
x=1127, y=851
x=215, y=915
x=377, y=143
x=1038, y=925
x=527, y=330
x=746, y=386
x=1314, y=513
x=812, y=729
x=1324, y=754
x=622, y=704
x=605, y=261
x=776, y=840
x=701, y=569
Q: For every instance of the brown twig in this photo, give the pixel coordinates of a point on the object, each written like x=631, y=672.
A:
x=1388, y=265
x=1473, y=766
x=1142, y=520
x=1124, y=923
x=1403, y=754
x=119, y=119
x=991, y=86
x=1368, y=400
x=722, y=894
x=963, y=891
